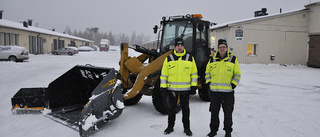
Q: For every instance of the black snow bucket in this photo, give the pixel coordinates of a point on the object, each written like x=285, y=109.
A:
x=81, y=92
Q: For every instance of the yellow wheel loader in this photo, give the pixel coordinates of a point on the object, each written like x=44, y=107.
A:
x=86, y=97
x=138, y=78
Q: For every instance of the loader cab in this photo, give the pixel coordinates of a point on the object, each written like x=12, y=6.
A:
x=194, y=32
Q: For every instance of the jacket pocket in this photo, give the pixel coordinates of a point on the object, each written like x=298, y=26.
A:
x=172, y=68
x=229, y=69
x=187, y=67
x=214, y=69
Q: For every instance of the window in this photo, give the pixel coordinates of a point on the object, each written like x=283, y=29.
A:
x=252, y=49
x=16, y=40
x=2, y=39
x=9, y=39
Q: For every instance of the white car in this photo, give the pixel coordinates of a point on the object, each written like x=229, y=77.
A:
x=85, y=48
x=13, y=53
x=67, y=50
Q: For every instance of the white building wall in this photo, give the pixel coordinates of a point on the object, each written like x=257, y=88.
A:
x=285, y=37
x=314, y=18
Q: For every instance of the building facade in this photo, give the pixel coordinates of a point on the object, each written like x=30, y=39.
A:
x=314, y=34
x=280, y=38
x=36, y=40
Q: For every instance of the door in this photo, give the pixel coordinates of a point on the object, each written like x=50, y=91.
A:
x=40, y=45
x=32, y=45
x=55, y=44
x=314, y=51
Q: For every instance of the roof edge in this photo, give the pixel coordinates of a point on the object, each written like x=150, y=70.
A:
x=256, y=18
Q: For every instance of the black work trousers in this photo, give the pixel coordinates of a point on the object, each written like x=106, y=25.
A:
x=172, y=109
x=226, y=100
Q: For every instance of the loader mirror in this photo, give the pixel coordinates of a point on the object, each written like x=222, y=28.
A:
x=200, y=26
x=155, y=29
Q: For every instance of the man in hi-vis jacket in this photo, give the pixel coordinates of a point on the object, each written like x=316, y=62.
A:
x=178, y=79
x=222, y=76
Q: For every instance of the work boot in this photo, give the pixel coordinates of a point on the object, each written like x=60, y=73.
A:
x=212, y=134
x=168, y=130
x=188, y=132
x=228, y=134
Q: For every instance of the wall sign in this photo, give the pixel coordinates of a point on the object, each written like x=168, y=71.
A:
x=239, y=35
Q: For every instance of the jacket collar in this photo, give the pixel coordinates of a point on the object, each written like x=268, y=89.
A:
x=180, y=54
x=217, y=55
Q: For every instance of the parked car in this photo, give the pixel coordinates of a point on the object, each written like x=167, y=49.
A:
x=66, y=50
x=85, y=48
x=13, y=53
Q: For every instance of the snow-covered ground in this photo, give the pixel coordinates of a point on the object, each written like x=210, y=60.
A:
x=271, y=101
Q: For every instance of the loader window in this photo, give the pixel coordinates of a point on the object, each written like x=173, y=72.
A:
x=202, y=44
x=173, y=30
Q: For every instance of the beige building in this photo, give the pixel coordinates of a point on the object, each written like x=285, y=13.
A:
x=36, y=40
x=280, y=38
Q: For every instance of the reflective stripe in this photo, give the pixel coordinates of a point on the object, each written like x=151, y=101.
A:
x=171, y=56
x=230, y=58
x=236, y=79
x=237, y=75
x=220, y=84
x=221, y=90
x=194, y=73
x=179, y=83
x=164, y=76
x=207, y=74
x=187, y=58
x=163, y=81
x=194, y=79
x=178, y=89
x=208, y=78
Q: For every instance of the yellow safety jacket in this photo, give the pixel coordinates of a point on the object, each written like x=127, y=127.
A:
x=179, y=72
x=222, y=72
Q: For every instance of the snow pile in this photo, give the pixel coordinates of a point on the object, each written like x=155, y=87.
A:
x=90, y=122
x=119, y=104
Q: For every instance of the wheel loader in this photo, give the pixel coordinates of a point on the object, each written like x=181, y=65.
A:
x=140, y=79
x=86, y=97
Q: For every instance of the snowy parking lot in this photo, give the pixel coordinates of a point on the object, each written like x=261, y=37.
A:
x=271, y=101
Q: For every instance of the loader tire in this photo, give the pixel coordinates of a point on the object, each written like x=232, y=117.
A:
x=158, y=100
x=204, y=93
x=131, y=101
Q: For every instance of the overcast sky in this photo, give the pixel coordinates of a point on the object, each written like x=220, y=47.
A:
x=126, y=16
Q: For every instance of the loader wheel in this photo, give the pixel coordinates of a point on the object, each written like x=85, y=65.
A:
x=204, y=93
x=158, y=100
x=133, y=100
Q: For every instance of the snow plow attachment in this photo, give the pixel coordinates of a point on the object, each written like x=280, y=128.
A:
x=83, y=98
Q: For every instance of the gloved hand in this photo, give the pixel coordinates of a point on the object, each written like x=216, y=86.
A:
x=208, y=85
x=193, y=90
x=233, y=86
x=163, y=90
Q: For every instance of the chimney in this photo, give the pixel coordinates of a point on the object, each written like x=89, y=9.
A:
x=30, y=22
x=1, y=11
x=25, y=24
x=261, y=12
